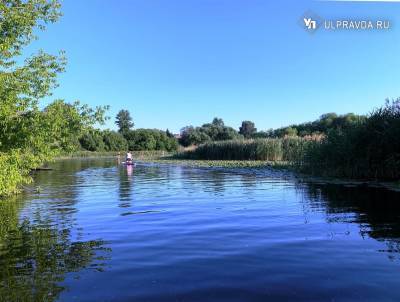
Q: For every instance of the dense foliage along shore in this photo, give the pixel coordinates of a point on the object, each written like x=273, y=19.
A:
x=367, y=149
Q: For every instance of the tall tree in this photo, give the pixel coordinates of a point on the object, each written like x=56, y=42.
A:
x=124, y=121
x=247, y=129
x=218, y=122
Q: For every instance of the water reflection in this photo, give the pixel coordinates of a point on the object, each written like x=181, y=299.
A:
x=189, y=234
x=376, y=210
x=125, y=185
x=40, y=241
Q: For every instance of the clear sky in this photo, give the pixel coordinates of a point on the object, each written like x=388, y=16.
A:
x=174, y=63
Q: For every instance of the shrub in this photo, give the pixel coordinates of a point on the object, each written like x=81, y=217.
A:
x=114, y=141
x=14, y=171
x=92, y=141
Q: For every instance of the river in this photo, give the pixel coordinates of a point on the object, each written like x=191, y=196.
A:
x=99, y=231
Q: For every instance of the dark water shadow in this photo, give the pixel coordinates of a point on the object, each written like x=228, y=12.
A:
x=375, y=210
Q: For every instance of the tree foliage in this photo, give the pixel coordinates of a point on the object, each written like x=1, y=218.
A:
x=114, y=141
x=150, y=139
x=247, y=129
x=214, y=131
x=326, y=122
x=29, y=136
x=368, y=149
x=96, y=140
x=124, y=121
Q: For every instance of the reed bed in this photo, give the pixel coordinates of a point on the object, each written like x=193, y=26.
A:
x=270, y=149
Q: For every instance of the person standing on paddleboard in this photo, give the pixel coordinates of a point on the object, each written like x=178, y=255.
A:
x=129, y=158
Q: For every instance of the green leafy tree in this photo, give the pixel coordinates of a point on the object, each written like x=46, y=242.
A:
x=247, y=129
x=218, y=122
x=30, y=136
x=66, y=122
x=124, y=121
x=193, y=136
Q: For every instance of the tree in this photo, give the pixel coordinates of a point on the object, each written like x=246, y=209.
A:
x=30, y=136
x=193, y=136
x=214, y=131
x=22, y=85
x=169, y=134
x=247, y=129
x=124, y=121
x=218, y=122
x=150, y=139
x=66, y=122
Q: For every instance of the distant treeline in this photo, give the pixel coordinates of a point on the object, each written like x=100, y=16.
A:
x=366, y=147
x=126, y=138
x=218, y=131
x=135, y=140
x=326, y=123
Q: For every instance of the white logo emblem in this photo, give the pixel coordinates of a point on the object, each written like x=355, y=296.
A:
x=310, y=23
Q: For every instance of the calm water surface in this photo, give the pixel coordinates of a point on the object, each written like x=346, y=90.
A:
x=102, y=232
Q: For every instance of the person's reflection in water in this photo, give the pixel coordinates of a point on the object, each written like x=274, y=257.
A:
x=125, y=186
x=129, y=171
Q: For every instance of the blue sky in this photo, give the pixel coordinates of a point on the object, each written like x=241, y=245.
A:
x=174, y=63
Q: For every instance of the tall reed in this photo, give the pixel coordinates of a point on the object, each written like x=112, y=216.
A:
x=270, y=149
